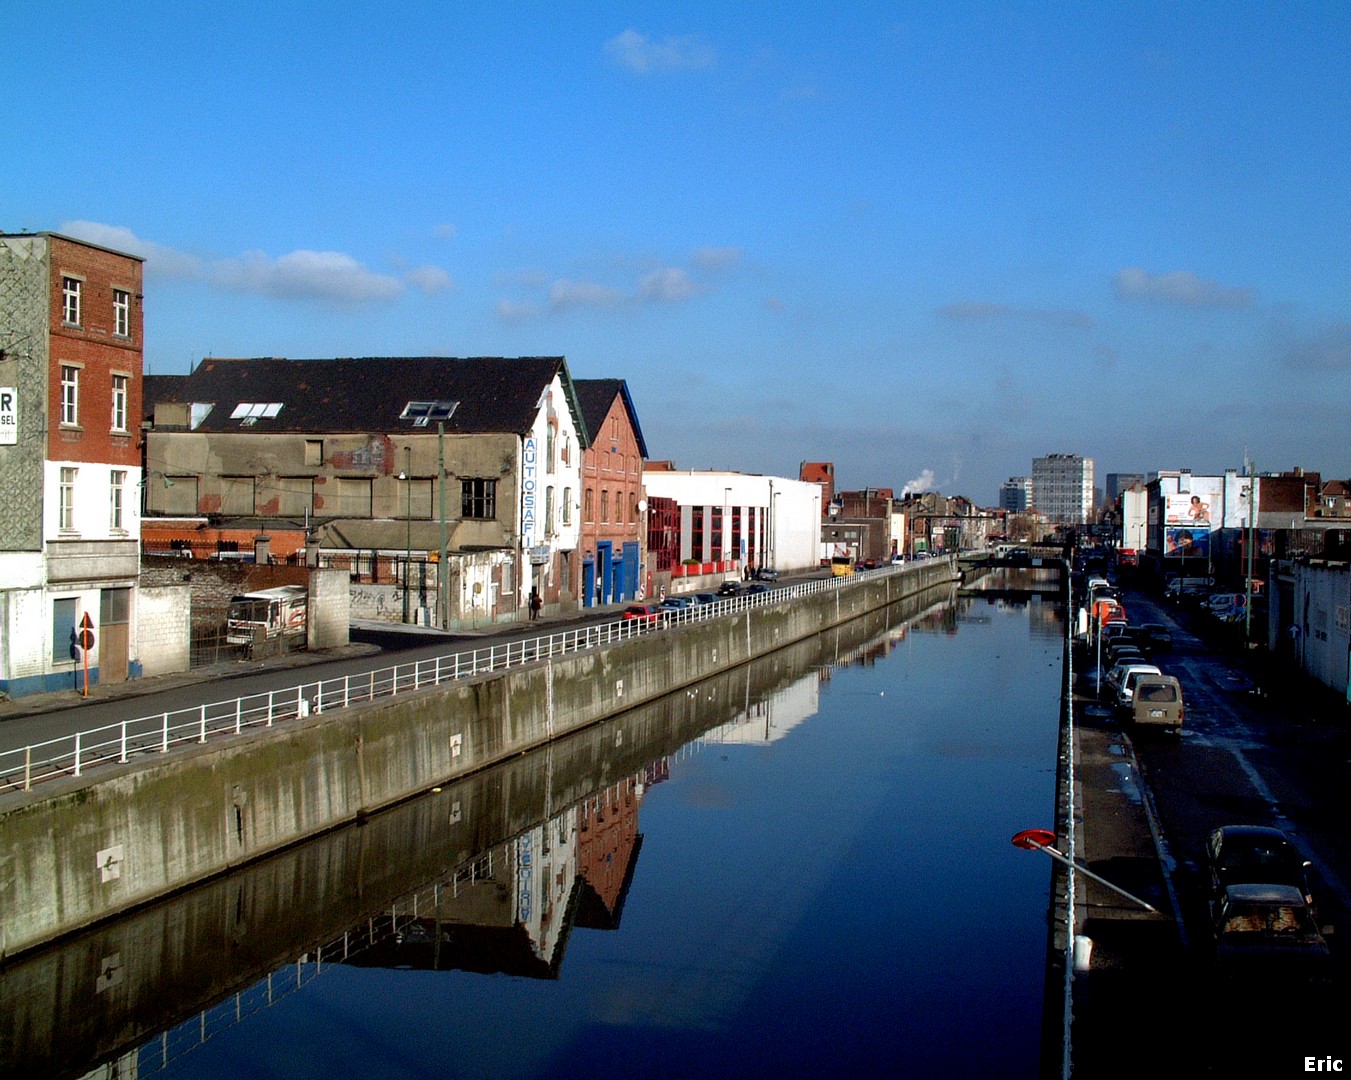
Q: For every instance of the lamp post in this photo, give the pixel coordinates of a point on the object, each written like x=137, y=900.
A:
x=407, y=477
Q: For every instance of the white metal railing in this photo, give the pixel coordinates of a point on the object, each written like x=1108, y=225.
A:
x=158, y=733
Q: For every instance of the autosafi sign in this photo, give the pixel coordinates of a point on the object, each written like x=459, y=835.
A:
x=9, y=415
x=529, y=486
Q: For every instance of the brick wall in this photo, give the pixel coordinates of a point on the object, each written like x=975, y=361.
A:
x=97, y=352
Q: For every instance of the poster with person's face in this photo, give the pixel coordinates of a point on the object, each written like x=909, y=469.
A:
x=1186, y=543
x=1200, y=505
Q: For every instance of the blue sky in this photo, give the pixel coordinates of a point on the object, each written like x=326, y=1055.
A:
x=925, y=241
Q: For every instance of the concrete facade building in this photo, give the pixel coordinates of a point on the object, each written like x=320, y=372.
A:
x=731, y=517
x=1062, y=488
x=71, y=347
x=397, y=459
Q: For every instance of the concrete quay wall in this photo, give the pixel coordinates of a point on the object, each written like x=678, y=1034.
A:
x=83, y=849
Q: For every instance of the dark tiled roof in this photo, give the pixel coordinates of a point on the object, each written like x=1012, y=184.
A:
x=495, y=394
x=161, y=388
x=596, y=396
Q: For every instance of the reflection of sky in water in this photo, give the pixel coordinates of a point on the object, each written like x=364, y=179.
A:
x=840, y=900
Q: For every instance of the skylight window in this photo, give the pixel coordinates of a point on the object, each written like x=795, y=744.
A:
x=248, y=410
x=423, y=412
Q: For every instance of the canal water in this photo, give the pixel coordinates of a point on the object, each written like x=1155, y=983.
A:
x=801, y=868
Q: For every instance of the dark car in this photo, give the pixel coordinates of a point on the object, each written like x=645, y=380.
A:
x=1160, y=638
x=646, y=613
x=705, y=598
x=766, y=573
x=755, y=589
x=1255, y=854
x=729, y=588
x=1265, y=936
x=677, y=604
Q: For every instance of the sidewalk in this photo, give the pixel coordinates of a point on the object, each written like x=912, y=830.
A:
x=411, y=637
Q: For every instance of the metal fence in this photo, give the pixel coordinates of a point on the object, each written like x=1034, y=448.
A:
x=158, y=733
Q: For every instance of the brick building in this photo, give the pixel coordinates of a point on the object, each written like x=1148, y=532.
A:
x=71, y=346
x=612, y=507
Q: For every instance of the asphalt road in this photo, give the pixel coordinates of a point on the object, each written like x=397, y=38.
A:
x=1257, y=747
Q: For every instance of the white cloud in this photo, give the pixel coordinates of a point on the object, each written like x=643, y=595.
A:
x=330, y=276
x=514, y=312
x=445, y=231
x=160, y=261
x=314, y=275
x=665, y=285
x=1180, y=288
x=564, y=294
x=429, y=279
x=638, y=53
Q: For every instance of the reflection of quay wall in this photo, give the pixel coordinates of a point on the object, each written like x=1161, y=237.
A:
x=85, y=848
x=108, y=990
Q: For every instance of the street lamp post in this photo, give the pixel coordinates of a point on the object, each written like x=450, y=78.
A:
x=408, y=525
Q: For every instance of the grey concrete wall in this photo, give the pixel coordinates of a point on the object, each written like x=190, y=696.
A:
x=163, y=628
x=82, y=849
x=329, y=611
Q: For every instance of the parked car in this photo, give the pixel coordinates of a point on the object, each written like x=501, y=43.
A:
x=1159, y=636
x=1124, y=654
x=652, y=614
x=1157, y=702
x=706, y=598
x=1265, y=936
x=729, y=588
x=766, y=573
x=1248, y=854
x=1120, y=680
x=676, y=604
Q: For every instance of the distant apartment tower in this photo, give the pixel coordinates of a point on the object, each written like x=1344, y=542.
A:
x=1015, y=494
x=1062, y=488
x=1117, y=482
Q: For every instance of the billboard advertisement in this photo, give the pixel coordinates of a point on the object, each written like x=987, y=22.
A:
x=1186, y=543
x=1199, y=506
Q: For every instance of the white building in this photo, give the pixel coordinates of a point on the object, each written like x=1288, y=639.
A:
x=1015, y=494
x=735, y=517
x=1062, y=488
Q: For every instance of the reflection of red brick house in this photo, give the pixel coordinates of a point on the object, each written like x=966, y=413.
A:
x=612, y=533
x=607, y=852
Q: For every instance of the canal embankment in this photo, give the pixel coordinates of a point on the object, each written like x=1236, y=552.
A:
x=82, y=849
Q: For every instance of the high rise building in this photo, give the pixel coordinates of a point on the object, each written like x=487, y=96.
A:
x=1015, y=494
x=1062, y=488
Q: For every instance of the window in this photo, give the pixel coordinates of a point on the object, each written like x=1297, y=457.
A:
x=119, y=403
x=121, y=313
x=70, y=395
x=550, y=448
x=549, y=510
x=567, y=506
x=237, y=495
x=566, y=449
x=354, y=496
x=588, y=505
x=314, y=452
x=66, y=501
x=117, y=483
x=605, y=506
x=478, y=499
x=423, y=413
x=70, y=301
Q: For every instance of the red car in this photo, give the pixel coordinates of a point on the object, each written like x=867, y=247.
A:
x=648, y=613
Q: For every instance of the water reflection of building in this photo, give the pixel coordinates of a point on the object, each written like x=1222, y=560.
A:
x=771, y=718
x=512, y=909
